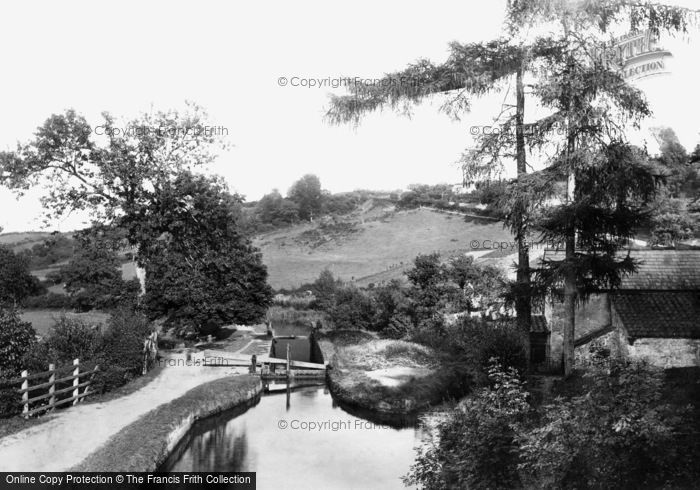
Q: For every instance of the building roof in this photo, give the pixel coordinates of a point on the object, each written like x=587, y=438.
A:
x=666, y=314
x=659, y=270
x=665, y=270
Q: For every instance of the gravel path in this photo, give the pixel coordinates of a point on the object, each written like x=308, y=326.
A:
x=71, y=435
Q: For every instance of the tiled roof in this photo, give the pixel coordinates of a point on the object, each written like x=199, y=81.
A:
x=664, y=270
x=658, y=314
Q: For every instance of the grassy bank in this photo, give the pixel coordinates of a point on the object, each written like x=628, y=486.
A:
x=146, y=443
x=388, y=376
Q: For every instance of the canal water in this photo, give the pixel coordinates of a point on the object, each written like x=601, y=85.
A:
x=300, y=440
x=299, y=437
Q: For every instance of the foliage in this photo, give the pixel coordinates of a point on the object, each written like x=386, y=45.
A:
x=10, y=401
x=49, y=300
x=110, y=179
x=618, y=434
x=477, y=341
x=16, y=339
x=476, y=446
x=324, y=289
x=117, y=348
x=16, y=283
x=121, y=349
x=276, y=211
x=58, y=247
x=93, y=278
x=352, y=309
x=71, y=338
x=199, y=266
x=671, y=223
x=616, y=430
x=306, y=193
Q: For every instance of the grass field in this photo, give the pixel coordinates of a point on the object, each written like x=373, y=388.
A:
x=42, y=320
x=386, y=244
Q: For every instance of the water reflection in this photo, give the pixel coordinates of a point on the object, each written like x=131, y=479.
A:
x=341, y=451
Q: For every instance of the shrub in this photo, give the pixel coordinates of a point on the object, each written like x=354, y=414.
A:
x=50, y=300
x=16, y=339
x=352, y=309
x=477, y=340
x=210, y=327
x=166, y=343
x=121, y=350
x=10, y=400
x=476, y=446
x=71, y=338
x=620, y=434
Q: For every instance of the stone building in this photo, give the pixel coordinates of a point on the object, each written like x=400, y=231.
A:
x=655, y=314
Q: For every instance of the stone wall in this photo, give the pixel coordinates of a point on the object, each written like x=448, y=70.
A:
x=590, y=316
x=667, y=353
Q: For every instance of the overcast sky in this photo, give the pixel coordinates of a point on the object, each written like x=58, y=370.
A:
x=126, y=57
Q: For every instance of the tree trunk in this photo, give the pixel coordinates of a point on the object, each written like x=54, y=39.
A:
x=570, y=240
x=569, y=306
x=523, y=306
x=570, y=275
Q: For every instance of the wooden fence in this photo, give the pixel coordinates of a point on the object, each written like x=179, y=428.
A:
x=52, y=397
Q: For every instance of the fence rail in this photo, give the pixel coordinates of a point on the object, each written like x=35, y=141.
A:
x=75, y=388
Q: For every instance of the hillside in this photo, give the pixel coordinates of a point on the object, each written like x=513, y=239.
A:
x=373, y=245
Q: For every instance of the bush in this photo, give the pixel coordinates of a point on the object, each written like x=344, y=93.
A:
x=121, y=349
x=476, y=446
x=210, y=327
x=71, y=338
x=352, y=309
x=16, y=339
x=50, y=300
x=166, y=343
x=10, y=401
x=615, y=431
x=478, y=340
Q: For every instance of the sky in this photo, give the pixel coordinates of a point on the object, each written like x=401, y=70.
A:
x=128, y=57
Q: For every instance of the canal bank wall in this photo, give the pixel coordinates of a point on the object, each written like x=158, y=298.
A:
x=387, y=377
x=145, y=444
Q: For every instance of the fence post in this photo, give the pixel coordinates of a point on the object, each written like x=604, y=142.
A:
x=52, y=387
x=92, y=376
x=76, y=380
x=25, y=394
x=288, y=363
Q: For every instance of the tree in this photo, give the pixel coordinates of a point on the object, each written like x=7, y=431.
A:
x=108, y=180
x=306, y=193
x=325, y=288
x=16, y=339
x=16, y=282
x=141, y=181
x=93, y=277
x=590, y=104
x=671, y=223
x=470, y=71
x=275, y=210
x=199, y=265
x=352, y=309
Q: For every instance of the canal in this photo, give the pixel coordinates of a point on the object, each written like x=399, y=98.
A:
x=301, y=441
x=297, y=437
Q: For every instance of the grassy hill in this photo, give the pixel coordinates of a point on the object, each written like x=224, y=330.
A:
x=22, y=240
x=374, y=244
